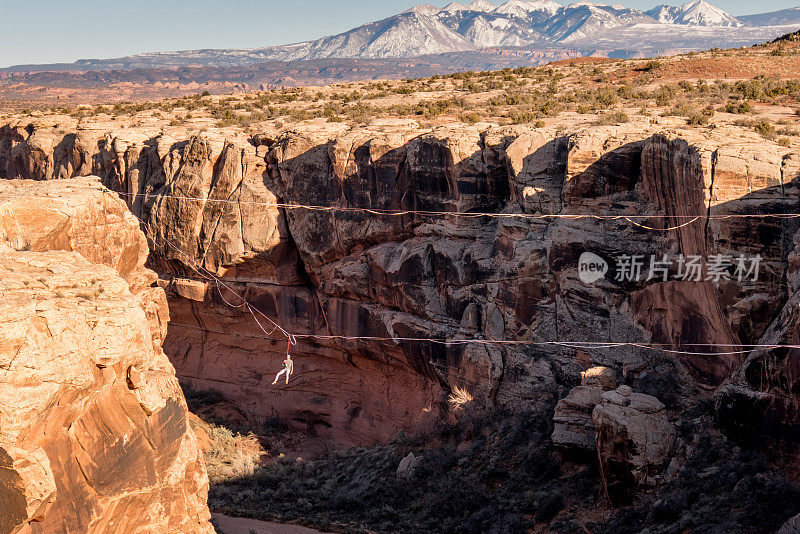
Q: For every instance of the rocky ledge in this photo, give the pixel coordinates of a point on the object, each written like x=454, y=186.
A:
x=93, y=424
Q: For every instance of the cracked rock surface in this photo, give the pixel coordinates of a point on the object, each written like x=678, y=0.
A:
x=93, y=424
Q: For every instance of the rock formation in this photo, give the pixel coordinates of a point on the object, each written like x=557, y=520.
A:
x=210, y=205
x=93, y=425
x=635, y=442
x=628, y=433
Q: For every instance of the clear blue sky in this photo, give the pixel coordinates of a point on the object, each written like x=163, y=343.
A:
x=49, y=31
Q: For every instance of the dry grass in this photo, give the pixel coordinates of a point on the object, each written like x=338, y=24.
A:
x=459, y=398
x=228, y=455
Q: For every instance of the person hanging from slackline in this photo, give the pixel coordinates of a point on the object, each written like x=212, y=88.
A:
x=288, y=368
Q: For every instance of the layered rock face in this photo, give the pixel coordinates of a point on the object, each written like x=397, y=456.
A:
x=762, y=397
x=93, y=424
x=218, y=206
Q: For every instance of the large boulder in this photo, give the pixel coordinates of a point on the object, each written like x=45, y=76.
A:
x=635, y=442
x=408, y=465
x=599, y=376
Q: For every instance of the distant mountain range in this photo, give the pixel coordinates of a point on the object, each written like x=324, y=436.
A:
x=481, y=26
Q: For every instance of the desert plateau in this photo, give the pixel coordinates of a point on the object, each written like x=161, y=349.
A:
x=486, y=268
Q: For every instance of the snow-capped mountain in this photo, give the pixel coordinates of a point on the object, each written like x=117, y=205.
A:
x=459, y=27
x=413, y=33
x=454, y=7
x=695, y=13
x=481, y=5
x=582, y=19
x=664, y=14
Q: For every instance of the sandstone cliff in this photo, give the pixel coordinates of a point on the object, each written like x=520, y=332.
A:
x=210, y=201
x=93, y=425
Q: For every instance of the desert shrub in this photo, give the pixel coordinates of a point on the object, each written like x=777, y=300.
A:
x=506, y=477
x=230, y=455
x=361, y=113
x=470, y=118
x=605, y=97
x=522, y=116
x=700, y=118
x=765, y=129
x=652, y=65
x=743, y=108
x=616, y=117
x=549, y=506
x=720, y=489
x=664, y=95
x=762, y=88
x=298, y=114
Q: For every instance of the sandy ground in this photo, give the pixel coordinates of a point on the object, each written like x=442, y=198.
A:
x=238, y=525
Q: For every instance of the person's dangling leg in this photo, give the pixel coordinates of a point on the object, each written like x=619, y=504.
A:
x=277, y=377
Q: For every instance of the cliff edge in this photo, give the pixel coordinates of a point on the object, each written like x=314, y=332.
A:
x=93, y=424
